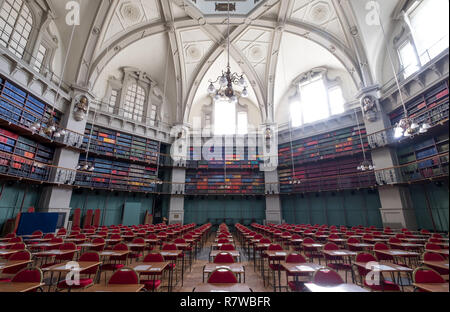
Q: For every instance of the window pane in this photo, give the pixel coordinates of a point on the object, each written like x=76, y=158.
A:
x=430, y=23
x=314, y=101
x=337, y=101
x=296, y=114
x=224, y=118
x=408, y=59
x=242, y=123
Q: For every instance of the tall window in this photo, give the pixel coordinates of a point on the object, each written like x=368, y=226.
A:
x=408, y=59
x=224, y=118
x=429, y=21
x=242, y=123
x=112, y=101
x=134, y=103
x=15, y=26
x=316, y=102
x=40, y=58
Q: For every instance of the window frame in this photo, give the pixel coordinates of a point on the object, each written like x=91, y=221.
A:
x=19, y=50
x=129, y=107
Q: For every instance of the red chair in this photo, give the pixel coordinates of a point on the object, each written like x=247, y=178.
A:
x=311, y=252
x=224, y=258
x=24, y=255
x=86, y=281
x=116, y=262
x=223, y=241
x=124, y=276
x=137, y=251
x=425, y=275
x=37, y=234
x=222, y=276
x=362, y=272
x=381, y=256
x=155, y=283
x=63, y=257
x=327, y=277
x=32, y=275
x=227, y=247
x=431, y=256
x=431, y=246
x=295, y=285
x=10, y=235
x=99, y=248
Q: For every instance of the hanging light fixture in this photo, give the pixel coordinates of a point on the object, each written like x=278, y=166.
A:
x=227, y=80
x=366, y=165
x=407, y=127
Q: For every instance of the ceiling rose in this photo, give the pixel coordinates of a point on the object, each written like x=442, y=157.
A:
x=194, y=53
x=320, y=13
x=131, y=12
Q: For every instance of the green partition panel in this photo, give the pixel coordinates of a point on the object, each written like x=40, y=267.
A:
x=131, y=214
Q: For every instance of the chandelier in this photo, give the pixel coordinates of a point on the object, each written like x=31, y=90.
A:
x=48, y=127
x=222, y=87
x=366, y=165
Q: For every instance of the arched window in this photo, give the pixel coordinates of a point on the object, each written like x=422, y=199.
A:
x=134, y=103
x=317, y=100
x=229, y=119
x=15, y=26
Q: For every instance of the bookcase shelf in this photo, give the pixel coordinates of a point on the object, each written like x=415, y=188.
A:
x=329, y=175
x=331, y=145
x=119, y=145
x=431, y=106
x=28, y=158
x=425, y=159
x=110, y=174
x=217, y=182
x=20, y=108
x=247, y=159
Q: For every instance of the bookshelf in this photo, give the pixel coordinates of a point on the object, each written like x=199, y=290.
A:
x=243, y=158
x=119, y=145
x=338, y=174
x=331, y=145
x=117, y=175
x=27, y=158
x=431, y=106
x=425, y=159
x=200, y=182
x=20, y=108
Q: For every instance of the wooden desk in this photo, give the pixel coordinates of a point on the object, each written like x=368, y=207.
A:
x=6, y=245
x=339, y=253
x=300, y=268
x=7, y=252
x=19, y=287
x=341, y=288
x=431, y=287
x=236, y=268
x=115, y=288
x=14, y=263
x=362, y=246
x=115, y=253
x=437, y=264
x=232, y=288
x=440, y=251
x=53, y=253
x=63, y=268
x=407, y=245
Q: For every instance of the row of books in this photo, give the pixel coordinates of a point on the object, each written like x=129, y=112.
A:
x=208, y=182
x=117, y=175
x=326, y=146
x=117, y=144
x=21, y=108
x=430, y=106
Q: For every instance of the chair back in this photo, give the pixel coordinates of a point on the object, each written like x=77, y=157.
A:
x=21, y=255
x=227, y=247
x=156, y=258
x=224, y=257
x=431, y=246
x=427, y=276
x=90, y=257
x=124, y=276
x=275, y=247
x=222, y=276
x=295, y=258
x=327, y=277
x=31, y=275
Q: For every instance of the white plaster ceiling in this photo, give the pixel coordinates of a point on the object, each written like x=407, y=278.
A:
x=199, y=39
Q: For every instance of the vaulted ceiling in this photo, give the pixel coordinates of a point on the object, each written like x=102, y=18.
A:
x=179, y=42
